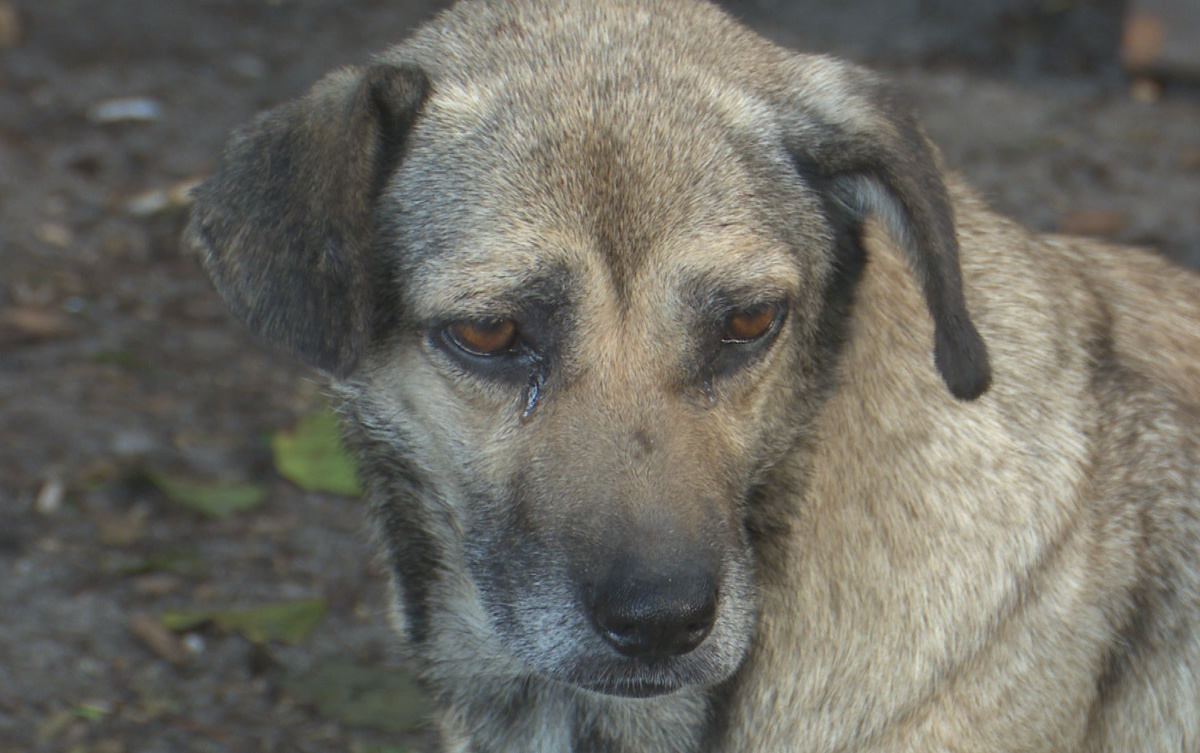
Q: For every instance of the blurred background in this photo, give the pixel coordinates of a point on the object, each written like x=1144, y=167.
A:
x=172, y=580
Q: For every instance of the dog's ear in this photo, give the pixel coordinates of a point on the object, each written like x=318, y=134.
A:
x=285, y=226
x=853, y=137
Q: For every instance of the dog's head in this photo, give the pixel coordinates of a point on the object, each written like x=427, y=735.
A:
x=582, y=274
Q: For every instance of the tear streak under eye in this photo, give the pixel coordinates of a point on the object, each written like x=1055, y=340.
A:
x=533, y=390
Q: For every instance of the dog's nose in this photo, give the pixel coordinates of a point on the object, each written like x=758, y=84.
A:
x=655, y=617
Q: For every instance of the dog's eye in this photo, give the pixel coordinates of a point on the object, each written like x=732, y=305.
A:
x=750, y=324
x=484, y=338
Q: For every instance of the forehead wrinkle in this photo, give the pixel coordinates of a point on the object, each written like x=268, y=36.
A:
x=643, y=335
x=491, y=274
x=728, y=260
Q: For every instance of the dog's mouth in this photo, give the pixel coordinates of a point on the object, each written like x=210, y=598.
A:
x=629, y=688
x=584, y=660
x=632, y=678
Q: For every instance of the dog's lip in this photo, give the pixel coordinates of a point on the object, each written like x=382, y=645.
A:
x=632, y=688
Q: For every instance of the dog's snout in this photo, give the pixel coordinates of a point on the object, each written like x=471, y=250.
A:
x=655, y=617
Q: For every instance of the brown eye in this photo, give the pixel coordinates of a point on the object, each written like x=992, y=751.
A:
x=484, y=338
x=750, y=324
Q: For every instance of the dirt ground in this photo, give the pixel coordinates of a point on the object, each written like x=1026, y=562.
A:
x=117, y=362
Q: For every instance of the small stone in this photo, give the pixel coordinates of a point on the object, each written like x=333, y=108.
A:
x=194, y=643
x=54, y=234
x=50, y=497
x=1145, y=90
x=125, y=110
x=160, y=200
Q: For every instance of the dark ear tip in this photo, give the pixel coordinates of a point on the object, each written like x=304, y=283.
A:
x=972, y=387
x=405, y=81
x=397, y=91
x=964, y=364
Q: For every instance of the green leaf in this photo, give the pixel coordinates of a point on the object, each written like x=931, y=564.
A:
x=290, y=623
x=182, y=620
x=214, y=499
x=312, y=456
x=92, y=712
x=187, y=564
x=371, y=697
x=121, y=358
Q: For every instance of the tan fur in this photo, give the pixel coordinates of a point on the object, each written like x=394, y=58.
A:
x=949, y=501
x=1005, y=563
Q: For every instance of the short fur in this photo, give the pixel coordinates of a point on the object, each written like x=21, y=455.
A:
x=895, y=537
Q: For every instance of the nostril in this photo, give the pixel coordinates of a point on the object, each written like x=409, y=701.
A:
x=698, y=631
x=650, y=619
x=626, y=637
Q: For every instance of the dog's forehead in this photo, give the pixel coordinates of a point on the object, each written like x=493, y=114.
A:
x=614, y=204
x=606, y=177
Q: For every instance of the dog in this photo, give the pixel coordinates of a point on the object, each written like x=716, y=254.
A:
x=701, y=409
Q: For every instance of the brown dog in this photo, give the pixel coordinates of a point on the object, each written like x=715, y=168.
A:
x=658, y=346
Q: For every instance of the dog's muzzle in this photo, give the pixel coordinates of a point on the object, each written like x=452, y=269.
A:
x=653, y=616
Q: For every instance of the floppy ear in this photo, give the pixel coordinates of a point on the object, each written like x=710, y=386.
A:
x=853, y=137
x=285, y=226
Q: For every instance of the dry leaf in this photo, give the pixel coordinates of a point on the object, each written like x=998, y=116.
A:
x=159, y=640
x=1101, y=223
x=30, y=324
